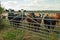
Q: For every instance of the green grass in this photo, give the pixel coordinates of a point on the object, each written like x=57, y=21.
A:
x=13, y=34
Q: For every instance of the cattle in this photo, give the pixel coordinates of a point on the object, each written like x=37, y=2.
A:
x=32, y=19
x=15, y=18
x=50, y=21
x=58, y=15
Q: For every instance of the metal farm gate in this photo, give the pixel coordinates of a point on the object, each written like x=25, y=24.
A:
x=19, y=21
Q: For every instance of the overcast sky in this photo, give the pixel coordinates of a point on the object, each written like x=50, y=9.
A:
x=31, y=4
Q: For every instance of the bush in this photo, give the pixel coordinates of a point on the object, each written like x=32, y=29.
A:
x=4, y=23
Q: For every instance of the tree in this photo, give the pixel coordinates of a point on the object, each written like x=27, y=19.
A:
x=1, y=10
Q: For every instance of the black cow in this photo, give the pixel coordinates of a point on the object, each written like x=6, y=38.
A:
x=15, y=18
x=49, y=23
x=19, y=18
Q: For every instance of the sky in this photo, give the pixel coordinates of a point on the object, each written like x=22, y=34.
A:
x=31, y=4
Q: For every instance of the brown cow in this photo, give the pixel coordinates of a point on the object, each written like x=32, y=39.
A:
x=31, y=19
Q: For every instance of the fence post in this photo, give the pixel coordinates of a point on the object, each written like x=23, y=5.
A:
x=22, y=13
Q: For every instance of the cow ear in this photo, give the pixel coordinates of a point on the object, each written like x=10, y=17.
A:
x=19, y=10
x=7, y=10
x=24, y=10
